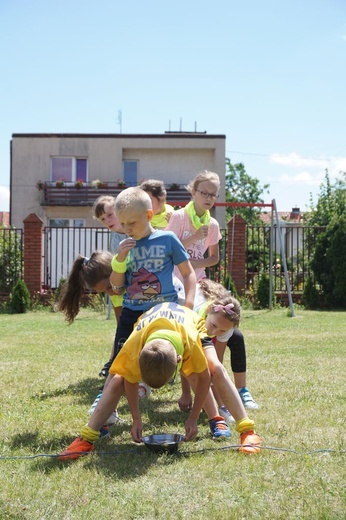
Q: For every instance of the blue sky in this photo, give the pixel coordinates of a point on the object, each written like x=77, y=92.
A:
x=269, y=75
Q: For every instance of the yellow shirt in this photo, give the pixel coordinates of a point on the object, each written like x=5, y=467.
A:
x=117, y=300
x=169, y=317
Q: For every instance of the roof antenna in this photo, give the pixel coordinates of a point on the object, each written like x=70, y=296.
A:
x=119, y=120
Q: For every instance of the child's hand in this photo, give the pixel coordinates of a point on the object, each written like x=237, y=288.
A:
x=136, y=430
x=202, y=233
x=185, y=402
x=191, y=429
x=124, y=248
x=169, y=214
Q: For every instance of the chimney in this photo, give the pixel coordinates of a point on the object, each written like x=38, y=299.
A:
x=295, y=214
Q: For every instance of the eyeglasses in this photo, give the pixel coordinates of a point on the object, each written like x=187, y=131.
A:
x=207, y=195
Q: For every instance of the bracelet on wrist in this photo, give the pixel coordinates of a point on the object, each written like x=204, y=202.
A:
x=117, y=287
x=119, y=267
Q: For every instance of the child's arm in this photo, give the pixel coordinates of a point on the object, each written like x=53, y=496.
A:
x=131, y=390
x=220, y=347
x=185, y=401
x=117, y=277
x=200, y=234
x=200, y=384
x=189, y=281
x=212, y=258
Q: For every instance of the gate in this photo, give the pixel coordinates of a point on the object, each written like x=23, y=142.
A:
x=62, y=246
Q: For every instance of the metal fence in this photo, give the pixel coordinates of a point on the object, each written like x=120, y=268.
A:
x=299, y=245
x=61, y=246
x=11, y=259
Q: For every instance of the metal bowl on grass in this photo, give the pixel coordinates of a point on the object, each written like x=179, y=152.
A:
x=163, y=442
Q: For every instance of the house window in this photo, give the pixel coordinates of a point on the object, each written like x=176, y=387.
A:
x=68, y=168
x=66, y=222
x=130, y=173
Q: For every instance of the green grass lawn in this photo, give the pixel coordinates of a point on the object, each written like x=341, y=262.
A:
x=49, y=378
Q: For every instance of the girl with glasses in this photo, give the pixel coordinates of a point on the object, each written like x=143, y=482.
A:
x=195, y=227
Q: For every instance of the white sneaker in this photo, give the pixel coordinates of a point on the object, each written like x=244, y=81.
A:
x=226, y=415
x=248, y=400
x=93, y=406
x=144, y=390
x=113, y=419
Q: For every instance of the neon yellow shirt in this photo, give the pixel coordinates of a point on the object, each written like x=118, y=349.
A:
x=167, y=317
x=117, y=300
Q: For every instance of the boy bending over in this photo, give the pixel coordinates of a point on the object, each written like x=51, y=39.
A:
x=167, y=338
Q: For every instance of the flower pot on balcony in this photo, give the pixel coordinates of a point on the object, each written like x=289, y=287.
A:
x=60, y=183
x=79, y=184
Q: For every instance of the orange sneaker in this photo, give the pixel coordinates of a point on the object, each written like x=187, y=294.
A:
x=250, y=442
x=76, y=449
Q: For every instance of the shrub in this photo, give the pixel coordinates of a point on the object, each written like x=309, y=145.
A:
x=58, y=289
x=329, y=263
x=310, y=295
x=20, y=301
x=230, y=285
x=262, y=292
x=10, y=259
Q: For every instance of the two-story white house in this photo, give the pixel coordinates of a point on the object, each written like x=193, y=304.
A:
x=58, y=176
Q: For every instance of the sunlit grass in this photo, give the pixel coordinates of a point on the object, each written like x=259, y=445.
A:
x=49, y=377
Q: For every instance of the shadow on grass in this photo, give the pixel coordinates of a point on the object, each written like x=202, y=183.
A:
x=86, y=390
x=116, y=456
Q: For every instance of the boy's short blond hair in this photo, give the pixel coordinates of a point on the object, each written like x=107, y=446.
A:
x=133, y=198
x=100, y=203
x=157, y=362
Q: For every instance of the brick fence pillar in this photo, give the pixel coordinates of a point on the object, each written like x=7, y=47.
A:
x=33, y=227
x=236, y=250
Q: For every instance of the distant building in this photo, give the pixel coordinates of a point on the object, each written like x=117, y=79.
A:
x=4, y=218
x=292, y=227
x=58, y=176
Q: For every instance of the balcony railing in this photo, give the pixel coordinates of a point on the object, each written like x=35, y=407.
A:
x=70, y=195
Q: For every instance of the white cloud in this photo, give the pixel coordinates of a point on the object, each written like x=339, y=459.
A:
x=311, y=171
x=4, y=199
x=295, y=160
x=302, y=178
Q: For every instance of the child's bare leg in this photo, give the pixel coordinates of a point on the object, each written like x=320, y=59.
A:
x=217, y=395
x=224, y=385
x=239, y=379
x=209, y=405
x=108, y=402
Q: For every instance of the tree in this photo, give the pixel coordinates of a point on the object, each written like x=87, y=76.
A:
x=329, y=259
x=241, y=187
x=10, y=259
x=331, y=202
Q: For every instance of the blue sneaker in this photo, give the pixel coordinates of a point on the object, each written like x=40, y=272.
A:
x=104, y=432
x=219, y=428
x=248, y=400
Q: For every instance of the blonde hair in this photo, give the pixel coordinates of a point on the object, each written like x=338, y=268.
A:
x=157, y=362
x=133, y=198
x=100, y=203
x=216, y=295
x=201, y=177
